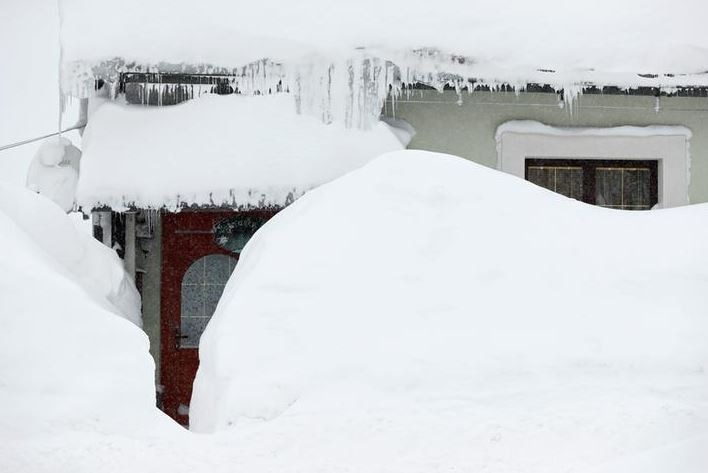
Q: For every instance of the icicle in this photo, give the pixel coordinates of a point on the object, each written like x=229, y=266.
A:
x=571, y=93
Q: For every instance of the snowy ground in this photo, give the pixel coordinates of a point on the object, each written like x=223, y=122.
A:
x=422, y=314
x=69, y=359
x=427, y=314
x=393, y=320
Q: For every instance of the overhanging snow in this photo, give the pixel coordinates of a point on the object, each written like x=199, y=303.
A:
x=218, y=150
x=355, y=54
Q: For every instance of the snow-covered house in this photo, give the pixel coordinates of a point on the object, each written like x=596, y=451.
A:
x=178, y=190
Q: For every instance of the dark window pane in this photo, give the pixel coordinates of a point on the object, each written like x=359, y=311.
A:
x=637, y=189
x=569, y=182
x=566, y=180
x=540, y=176
x=617, y=184
x=623, y=188
x=608, y=187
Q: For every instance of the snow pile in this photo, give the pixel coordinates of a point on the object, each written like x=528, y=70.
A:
x=73, y=254
x=68, y=360
x=54, y=171
x=451, y=317
x=236, y=150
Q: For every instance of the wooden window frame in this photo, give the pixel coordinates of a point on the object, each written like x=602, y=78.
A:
x=589, y=167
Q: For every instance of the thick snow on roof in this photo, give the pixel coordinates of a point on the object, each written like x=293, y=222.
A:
x=456, y=318
x=606, y=41
x=235, y=150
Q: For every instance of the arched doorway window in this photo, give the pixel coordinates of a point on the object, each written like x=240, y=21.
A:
x=202, y=286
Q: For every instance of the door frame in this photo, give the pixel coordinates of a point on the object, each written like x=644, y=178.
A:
x=186, y=236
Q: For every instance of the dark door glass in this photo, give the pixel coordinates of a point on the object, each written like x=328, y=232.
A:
x=233, y=233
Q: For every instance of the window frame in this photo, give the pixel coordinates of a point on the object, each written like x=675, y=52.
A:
x=669, y=144
x=590, y=166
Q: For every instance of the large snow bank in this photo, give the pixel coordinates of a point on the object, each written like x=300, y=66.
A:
x=451, y=317
x=239, y=150
x=68, y=360
x=608, y=36
x=72, y=253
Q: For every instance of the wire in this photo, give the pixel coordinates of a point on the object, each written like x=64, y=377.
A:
x=39, y=138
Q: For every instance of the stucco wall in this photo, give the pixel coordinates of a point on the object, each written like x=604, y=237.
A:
x=466, y=128
x=149, y=262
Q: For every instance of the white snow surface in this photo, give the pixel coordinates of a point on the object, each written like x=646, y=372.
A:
x=69, y=252
x=341, y=61
x=238, y=150
x=424, y=313
x=68, y=357
x=538, y=128
x=421, y=314
x=511, y=40
x=54, y=171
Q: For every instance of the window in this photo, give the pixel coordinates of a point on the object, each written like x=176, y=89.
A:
x=233, y=233
x=624, y=167
x=202, y=286
x=616, y=184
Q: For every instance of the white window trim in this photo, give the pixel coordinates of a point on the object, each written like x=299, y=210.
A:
x=669, y=145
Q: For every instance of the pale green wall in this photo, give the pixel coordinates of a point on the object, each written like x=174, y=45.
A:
x=467, y=129
x=149, y=261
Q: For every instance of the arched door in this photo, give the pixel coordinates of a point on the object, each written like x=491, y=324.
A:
x=200, y=250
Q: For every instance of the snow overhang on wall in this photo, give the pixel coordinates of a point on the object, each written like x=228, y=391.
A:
x=239, y=151
x=341, y=60
x=520, y=139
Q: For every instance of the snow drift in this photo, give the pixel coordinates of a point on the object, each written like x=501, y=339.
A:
x=235, y=150
x=454, y=317
x=68, y=357
x=71, y=253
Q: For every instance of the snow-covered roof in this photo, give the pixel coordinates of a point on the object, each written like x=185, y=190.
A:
x=519, y=42
x=235, y=150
